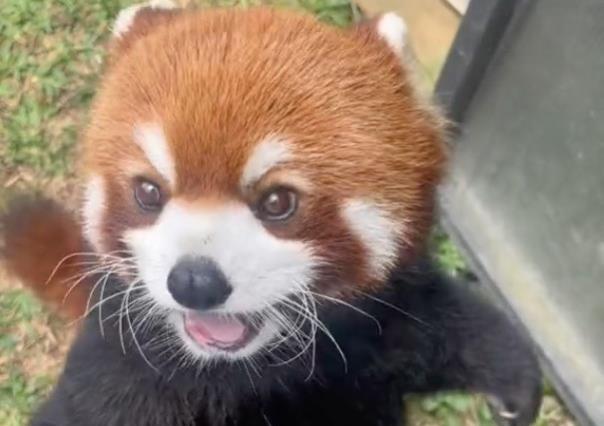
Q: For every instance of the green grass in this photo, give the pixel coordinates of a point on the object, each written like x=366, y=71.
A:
x=50, y=57
x=24, y=333
x=51, y=54
x=448, y=256
x=450, y=409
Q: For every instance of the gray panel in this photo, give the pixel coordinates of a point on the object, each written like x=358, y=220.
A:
x=526, y=191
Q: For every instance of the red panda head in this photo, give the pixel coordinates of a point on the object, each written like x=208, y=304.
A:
x=242, y=158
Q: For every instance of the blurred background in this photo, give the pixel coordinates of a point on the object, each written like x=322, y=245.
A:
x=51, y=53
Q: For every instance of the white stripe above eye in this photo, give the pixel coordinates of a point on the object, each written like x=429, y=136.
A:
x=270, y=152
x=152, y=140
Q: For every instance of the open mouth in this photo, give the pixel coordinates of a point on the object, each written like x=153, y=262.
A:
x=227, y=333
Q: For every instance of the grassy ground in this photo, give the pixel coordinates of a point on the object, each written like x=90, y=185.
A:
x=50, y=56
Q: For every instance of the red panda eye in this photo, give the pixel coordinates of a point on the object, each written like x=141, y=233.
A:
x=147, y=195
x=277, y=204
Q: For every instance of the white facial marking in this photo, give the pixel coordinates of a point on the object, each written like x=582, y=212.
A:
x=260, y=267
x=152, y=140
x=125, y=18
x=93, y=209
x=393, y=29
x=269, y=153
x=376, y=231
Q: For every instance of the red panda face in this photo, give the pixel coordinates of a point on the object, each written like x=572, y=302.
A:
x=247, y=160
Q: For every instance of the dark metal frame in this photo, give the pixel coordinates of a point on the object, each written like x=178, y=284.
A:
x=476, y=43
x=479, y=38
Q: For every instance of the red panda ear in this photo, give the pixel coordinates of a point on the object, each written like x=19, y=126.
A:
x=139, y=20
x=392, y=30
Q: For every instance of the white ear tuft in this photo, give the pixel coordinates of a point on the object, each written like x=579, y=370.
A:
x=393, y=29
x=162, y=4
x=125, y=18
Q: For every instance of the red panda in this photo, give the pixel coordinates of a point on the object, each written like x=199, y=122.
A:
x=259, y=189
x=302, y=116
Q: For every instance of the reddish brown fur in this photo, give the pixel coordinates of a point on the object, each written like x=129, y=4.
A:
x=220, y=81
x=38, y=235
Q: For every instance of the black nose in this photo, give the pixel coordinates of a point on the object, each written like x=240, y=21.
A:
x=198, y=283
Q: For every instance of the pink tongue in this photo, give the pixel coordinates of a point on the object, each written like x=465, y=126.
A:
x=210, y=328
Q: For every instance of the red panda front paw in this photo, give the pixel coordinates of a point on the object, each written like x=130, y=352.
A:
x=518, y=409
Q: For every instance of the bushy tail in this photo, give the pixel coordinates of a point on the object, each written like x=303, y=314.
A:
x=40, y=245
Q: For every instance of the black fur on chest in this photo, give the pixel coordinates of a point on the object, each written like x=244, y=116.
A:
x=421, y=333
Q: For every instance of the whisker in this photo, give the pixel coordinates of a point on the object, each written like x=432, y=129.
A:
x=121, y=322
x=396, y=308
x=250, y=377
x=99, y=269
x=72, y=255
x=140, y=350
x=354, y=308
x=305, y=312
x=97, y=304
